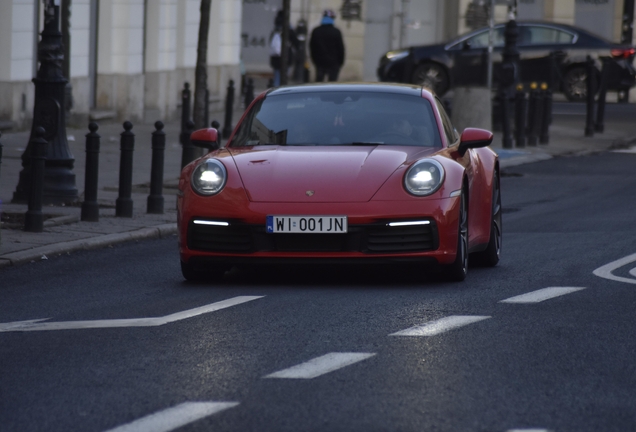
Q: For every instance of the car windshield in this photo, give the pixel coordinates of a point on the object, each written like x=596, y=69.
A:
x=339, y=118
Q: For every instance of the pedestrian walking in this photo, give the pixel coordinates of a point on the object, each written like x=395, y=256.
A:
x=327, y=48
x=276, y=46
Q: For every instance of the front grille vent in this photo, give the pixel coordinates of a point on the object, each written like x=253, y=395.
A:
x=371, y=239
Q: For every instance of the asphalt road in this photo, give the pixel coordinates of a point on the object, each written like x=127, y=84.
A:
x=562, y=364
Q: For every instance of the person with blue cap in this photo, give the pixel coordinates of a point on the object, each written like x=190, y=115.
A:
x=327, y=48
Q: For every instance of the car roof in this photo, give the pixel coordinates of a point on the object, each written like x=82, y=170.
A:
x=366, y=87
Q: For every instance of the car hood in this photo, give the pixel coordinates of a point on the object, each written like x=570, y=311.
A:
x=319, y=174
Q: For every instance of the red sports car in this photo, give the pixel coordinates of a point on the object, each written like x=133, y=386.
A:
x=341, y=173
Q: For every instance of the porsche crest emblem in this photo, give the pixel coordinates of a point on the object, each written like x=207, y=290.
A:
x=309, y=193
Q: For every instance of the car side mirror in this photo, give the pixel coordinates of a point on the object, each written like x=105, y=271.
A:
x=205, y=138
x=473, y=138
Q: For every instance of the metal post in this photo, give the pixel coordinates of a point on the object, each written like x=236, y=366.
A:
x=229, y=106
x=589, y=119
x=66, y=41
x=249, y=92
x=188, y=150
x=34, y=219
x=533, y=117
x=491, y=33
x=599, y=126
x=505, y=118
x=186, y=95
x=216, y=125
x=546, y=114
x=90, y=208
x=155, y=199
x=206, y=107
x=48, y=112
x=521, y=112
x=124, y=203
x=284, y=52
x=0, y=152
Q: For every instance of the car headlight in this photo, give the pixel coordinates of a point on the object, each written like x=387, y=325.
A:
x=209, y=177
x=397, y=55
x=424, y=177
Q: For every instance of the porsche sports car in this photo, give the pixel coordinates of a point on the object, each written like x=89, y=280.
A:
x=341, y=173
x=462, y=60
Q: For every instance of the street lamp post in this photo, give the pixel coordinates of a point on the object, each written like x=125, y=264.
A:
x=49, y=113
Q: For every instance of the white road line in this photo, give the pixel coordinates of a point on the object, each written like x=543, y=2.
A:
x=38, y=325
x=606, y=270
x=320, y=365
x=175, y=417
x=633, y=272
x=527, y=430
x=441, y=325
x=541, y=295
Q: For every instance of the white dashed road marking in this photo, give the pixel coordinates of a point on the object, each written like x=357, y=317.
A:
x=321, y=365
x=541, y=295
x=441, y=325
x=606, y=270
x=527, y=430
x=38, y=325
x=175, y=417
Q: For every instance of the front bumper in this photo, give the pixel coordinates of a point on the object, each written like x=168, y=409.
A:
x=368, y=239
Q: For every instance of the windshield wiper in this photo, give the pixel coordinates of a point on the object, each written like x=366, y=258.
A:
x=364, y=143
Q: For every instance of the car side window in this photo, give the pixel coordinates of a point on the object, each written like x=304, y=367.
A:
x=481, y=40
x=539, y=35
x=451, y=133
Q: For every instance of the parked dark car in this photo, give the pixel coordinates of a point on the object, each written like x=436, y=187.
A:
x=551, y=53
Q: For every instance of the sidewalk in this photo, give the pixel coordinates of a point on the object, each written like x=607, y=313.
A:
x=65, y=233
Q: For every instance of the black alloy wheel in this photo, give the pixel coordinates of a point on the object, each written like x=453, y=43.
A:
x=491, y=255
x=575, y=84
x=432, y=76
x=458, y=270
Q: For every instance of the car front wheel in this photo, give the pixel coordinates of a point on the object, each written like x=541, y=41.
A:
x=490, y=256
x=575, y=84
x=432, y=76
x=458, y=270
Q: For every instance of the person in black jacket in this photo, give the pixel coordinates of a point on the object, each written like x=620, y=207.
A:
x=327, y=48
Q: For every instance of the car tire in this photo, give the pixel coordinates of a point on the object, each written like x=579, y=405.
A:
x=433, y=76
x=458, y=270
x=211, y=274
x=575, y=84
x=490, y=256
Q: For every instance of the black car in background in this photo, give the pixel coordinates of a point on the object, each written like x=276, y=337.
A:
x=551, y=53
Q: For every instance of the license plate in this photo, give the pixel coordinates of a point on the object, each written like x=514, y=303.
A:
x=307, y=224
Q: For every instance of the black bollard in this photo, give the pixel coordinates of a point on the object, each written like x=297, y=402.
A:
x=270, y=83
x=249, y=92
x=533, y=115
x=546, y=114
x=206, y=107
x=90, y=208
x=155, y=199
x=216, y=125
x=521, y=112
x=188, y=150
x=505, y=118
x=229, y=106
x=0, y=151
x=124, y=203
x=589, y=118
x=34, y=219
x=186, y=96
x=599, y=126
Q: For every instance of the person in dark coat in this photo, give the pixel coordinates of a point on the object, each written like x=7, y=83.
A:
x=327, y=48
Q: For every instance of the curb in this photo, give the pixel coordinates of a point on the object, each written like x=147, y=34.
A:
x=41, y=252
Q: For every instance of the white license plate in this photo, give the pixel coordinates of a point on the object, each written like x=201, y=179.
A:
x=307, y=224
